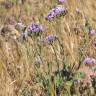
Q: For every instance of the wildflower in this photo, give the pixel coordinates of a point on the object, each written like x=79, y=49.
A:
x=89, y=61
x=55, y=12
x=62, y=1
x=50, y=38
x=35, y=28
x=78, y=10
x=92, y=32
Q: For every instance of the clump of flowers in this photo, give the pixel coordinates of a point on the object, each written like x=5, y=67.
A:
x=89, y=61
x=59, y=10
x=62, y=1
x=50, y=38
x=35, y=28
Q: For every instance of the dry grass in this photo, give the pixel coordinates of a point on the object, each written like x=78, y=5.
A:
x=17, y=59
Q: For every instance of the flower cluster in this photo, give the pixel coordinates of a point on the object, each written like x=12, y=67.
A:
x=35, y=28
x=89, y=61
x=55, y=12
x=50, y=38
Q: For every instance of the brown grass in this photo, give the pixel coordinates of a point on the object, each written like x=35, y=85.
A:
x=16, y=58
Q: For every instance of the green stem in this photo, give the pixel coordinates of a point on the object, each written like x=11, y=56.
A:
x=56, y=60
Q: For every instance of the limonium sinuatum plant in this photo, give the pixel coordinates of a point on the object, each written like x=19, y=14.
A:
x=35, y=28
x=56, y=11
x=50, y=38
x=89, y=61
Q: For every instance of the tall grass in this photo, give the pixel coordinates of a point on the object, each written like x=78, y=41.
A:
x=35, y=68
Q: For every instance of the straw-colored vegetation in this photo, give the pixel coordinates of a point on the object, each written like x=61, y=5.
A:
x=21, y=71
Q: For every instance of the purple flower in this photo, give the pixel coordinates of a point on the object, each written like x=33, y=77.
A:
x=78, y=10
x=92, y=32
x=89, y=61
x=35, y=28
x=50, y=38
x=62, y=1
x=55, y=12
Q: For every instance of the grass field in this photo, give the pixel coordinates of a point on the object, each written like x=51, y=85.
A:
x=56, y=59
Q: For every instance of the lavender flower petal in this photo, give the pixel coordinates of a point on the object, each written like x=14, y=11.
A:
x=35, y=28
x=78, y=10
x=62, y=1
x=50, y=38
x=89, y=61
x=92, y=32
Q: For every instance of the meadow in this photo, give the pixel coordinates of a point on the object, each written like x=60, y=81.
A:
x=47, y=47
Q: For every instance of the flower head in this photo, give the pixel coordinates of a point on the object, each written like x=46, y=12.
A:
x=92, y=32
x=89, y=61
x=62, y=1
x=50, y=38
x=78, y=10
x=35, y=28
x=55, y=12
